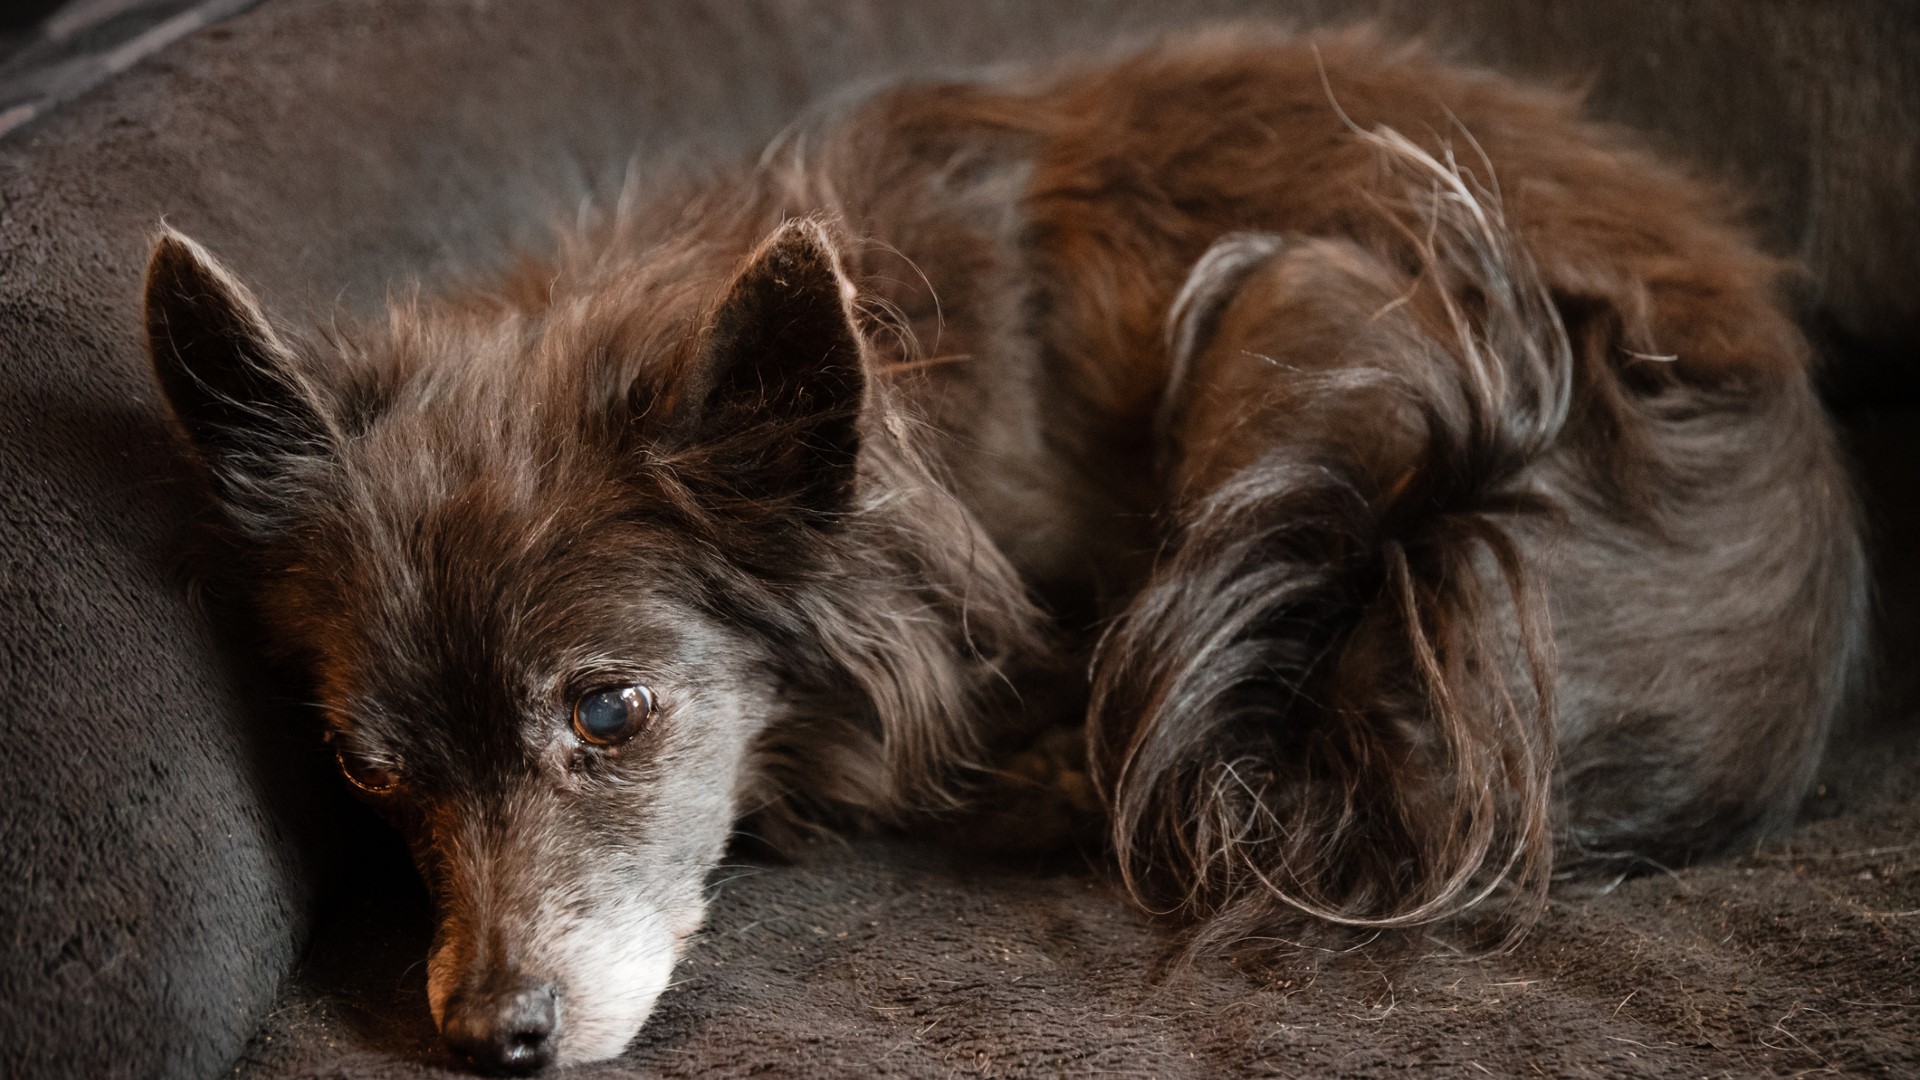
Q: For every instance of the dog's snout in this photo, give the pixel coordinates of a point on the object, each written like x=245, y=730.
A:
x=512, y=1030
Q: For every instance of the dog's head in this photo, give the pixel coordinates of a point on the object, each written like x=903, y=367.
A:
x=558, y=568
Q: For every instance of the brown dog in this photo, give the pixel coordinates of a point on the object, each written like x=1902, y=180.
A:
x=1432, y=482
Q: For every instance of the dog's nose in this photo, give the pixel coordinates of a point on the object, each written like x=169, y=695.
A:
x=509, y=1031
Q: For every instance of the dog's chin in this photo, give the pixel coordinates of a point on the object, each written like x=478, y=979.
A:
x=612, y=972
x=599, y=1023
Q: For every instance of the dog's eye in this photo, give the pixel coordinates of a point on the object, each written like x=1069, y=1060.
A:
x=614, y=714
x=372, y=777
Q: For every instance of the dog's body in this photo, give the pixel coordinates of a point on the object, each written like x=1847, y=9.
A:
x=1440, y=476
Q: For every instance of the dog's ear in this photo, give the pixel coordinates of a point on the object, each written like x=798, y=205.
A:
x=229, y=379
x=779, y=382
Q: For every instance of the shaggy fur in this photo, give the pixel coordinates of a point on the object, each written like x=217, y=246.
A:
x=1431, y=481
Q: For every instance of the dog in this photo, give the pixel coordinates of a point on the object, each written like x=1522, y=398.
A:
x=1408, y=490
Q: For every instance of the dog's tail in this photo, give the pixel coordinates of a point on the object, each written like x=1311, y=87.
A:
x=1334, y=697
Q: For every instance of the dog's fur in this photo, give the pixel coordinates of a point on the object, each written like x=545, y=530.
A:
x=1431, y=480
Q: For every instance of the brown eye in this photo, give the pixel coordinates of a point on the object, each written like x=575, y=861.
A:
x=614, y=714
x=372, y=777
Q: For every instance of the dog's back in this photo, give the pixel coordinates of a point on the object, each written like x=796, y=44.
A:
x=1442, y=464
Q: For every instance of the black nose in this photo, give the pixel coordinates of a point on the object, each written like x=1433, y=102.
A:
x=508, y=1031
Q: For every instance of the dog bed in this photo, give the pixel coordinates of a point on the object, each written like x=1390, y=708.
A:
x=185, y=892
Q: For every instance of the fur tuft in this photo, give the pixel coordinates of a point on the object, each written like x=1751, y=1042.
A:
x=1334, y=697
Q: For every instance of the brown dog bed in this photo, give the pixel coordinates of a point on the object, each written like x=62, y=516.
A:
x=181, y=883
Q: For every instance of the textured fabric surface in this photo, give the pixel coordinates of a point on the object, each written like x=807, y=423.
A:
x=170, y=831
x=84, y=43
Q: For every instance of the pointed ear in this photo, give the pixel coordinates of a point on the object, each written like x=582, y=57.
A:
x=780, y=380
x=226, y=374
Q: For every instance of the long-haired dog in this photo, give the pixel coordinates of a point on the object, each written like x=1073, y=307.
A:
x=1426, y=485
